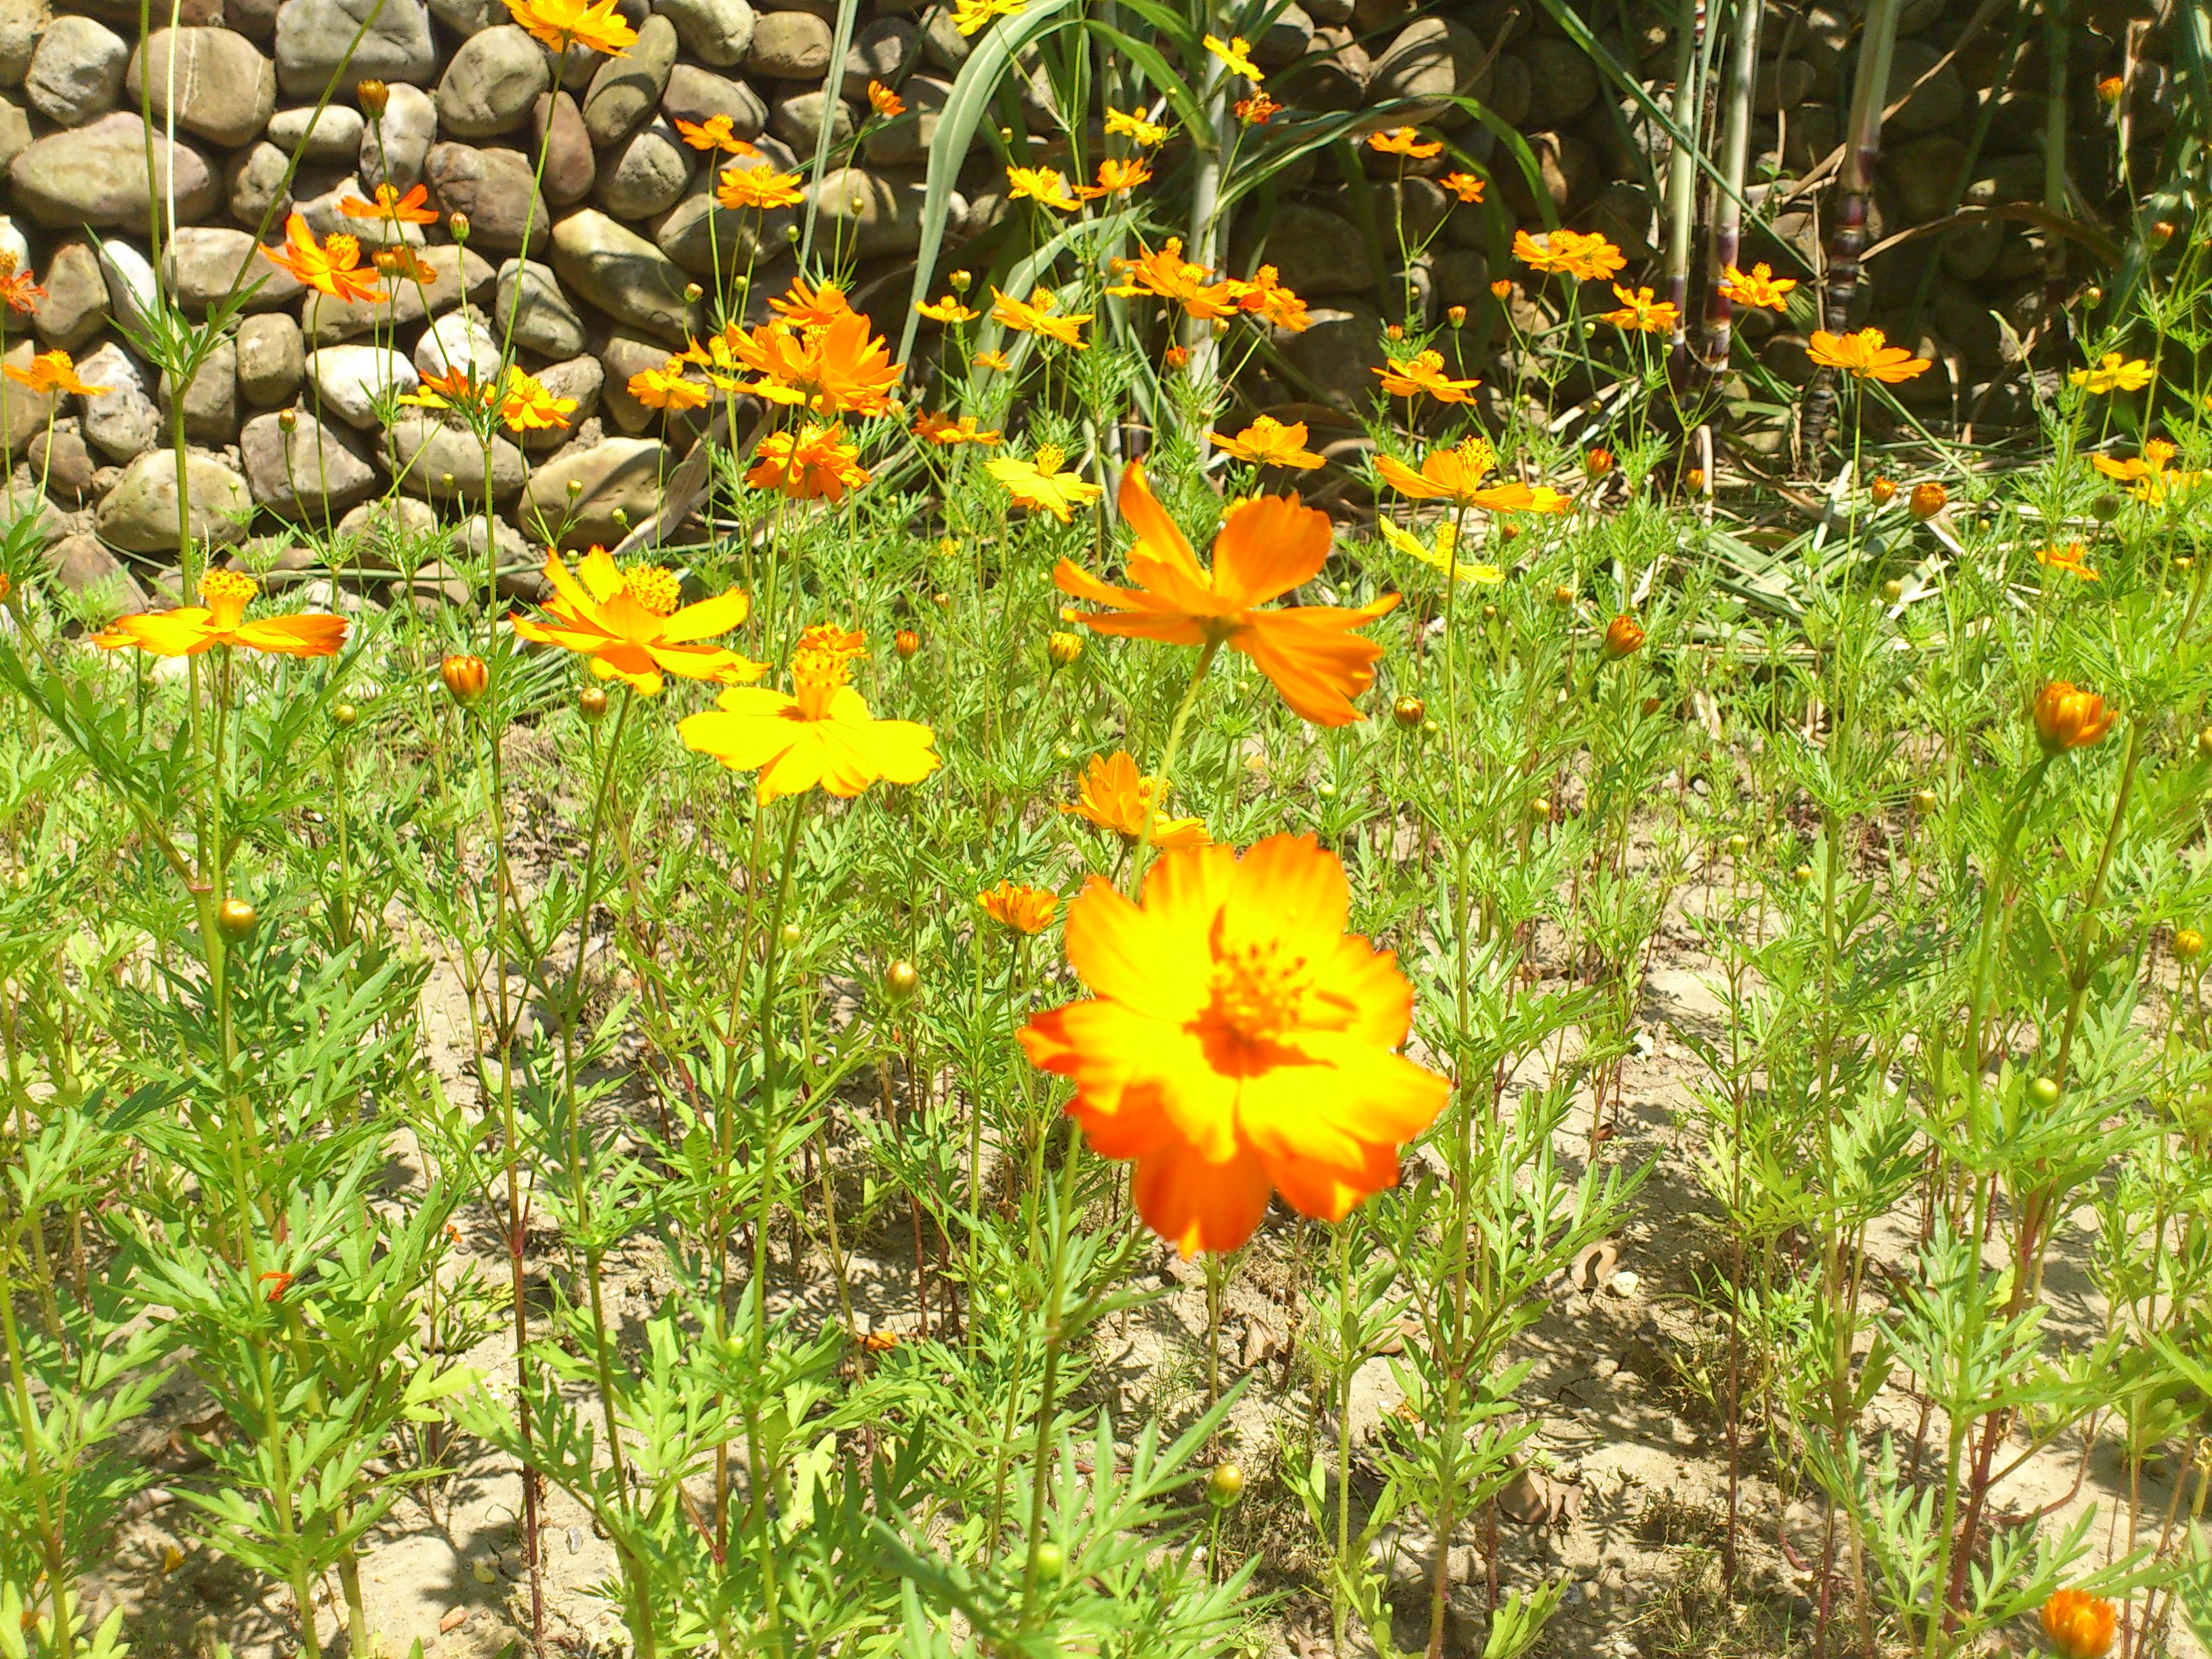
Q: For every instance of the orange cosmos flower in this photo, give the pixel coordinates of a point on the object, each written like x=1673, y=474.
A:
x=1266, y=546
x=993, y=360
x=666, y=389
x=1165, y=274
x=2067, y=717
x=885, y=102
x=401, y=264
x=1587, y=257
x=2150, y=476
x=806, y=304
x=1135, y=128
x=17, y=291
x=817, y=463
x=835, y=369
x=50, y=372
x=1238, y=1042
x=715, y=132
x=1039, y=483
x=1268, y=442
x=1456, y=475
x=947, y=433
x=1254, y=111
x=2071, y=558
x=412, y=209
x=1761, y=288
x=1035, y=316
x=626, y=623
x=1116, y=178
x=1867, y=355
x=1465, y=185
x=332, y=269
x=1404, y=141
x=220, y=619
x=1273, y=303
x=560, y=24
x=1640, y=312
x=1424, y=373
x=823, y=735
x=739, y=187
x=456, y=389
x=1115, y=796
x=1046, y=187
x=2080, y=1625
x=1025, y=909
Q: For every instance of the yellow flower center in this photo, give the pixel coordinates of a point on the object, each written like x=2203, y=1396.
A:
x=654, y=587
x=226, y=593
x=821, y=666
x=1259, y=991
x=1048, y=457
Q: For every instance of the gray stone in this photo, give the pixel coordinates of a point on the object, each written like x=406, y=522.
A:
x=624, y=275
x=458, y=340
x=21, y=23
x=1314, y=252
x=716, y=32
x=76, y=73
x=315, y=43
x=1431, y=60
x=498, y=191
x=693, y=95
x=457, y=275
x=1937, y=106
x=580, y=378
x=24, y=413
x=871, y=215
x=1285, y=38
x=345, y=381
x=790, y=45
x=519, y=578
x=941, y=43
x=445, y=464
x=1923, y=172
x=698, y=235
x=210, y=400
x=1562, y=80
x=382, y=529
x=140, y=514
x=1334, y=358
x=907, y=139
x=1332, y=75
x=490, y=84
x=468, y=17
x=59, y=459
x=880, y=52
x=1783, y=85
x=122, y=421
x=310, y=474
x=204, y=263
x=76, y=306
x=1567, y=168
x=618, y=475
x=571, y=168
x=626, y=89
x=226, y=90
x=87, y=569
x=256, y=185
x=796, y=119
x=271, y=359
x=393, y=149
x=14, y=131
x=133, y=290
x=97, y=175
x=327, y=216
x=254, y=19
x=645, y=174
x=332, y=137
x=530, y=309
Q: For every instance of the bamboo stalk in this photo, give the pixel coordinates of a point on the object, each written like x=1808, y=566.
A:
x=1682, y=174
x=1728, y=201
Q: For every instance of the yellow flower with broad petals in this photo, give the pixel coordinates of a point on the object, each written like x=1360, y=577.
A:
x=1035, y=315
x=627, y=624
x=822, y=736
x=810, y=305
x=1120, y=123
x=220, y=619
x=1270, y=442
x=526, y=405
x=560, y=24
x=1024, y=908
x=1406, y=142
x=949, y=310
x=1038, y=482
x=665, y=388
x=1640, y=313
x=1114, y=795
x=1866, y=355
x=1759, y=287
x=1424, y=374
x=1587, y=257
x=1456, y=473
x=970, y=16
x=739, y=188
x=2151, y=476
x=715, y=132
x=53, y=371
x=1236, y=53
x=2113, y=374
x=1443, y=555
x=2073, y=559
x=1046, y=187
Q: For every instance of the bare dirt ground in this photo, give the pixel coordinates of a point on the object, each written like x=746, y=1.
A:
x=1625, y=1500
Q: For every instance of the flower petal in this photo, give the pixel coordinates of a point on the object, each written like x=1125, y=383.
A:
x=1197, y=1203
x=1267, y=548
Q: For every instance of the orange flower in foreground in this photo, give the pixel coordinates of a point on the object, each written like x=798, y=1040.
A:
x=1424, y=373
x=1761, y=288
x=1025, y=909
x=2067, y=717
x=739, y=187
x=1640, y=313
x=1268, y=442
x=412, y=209
x=2079, y=1624
x=53, y=371
x=1116, y=178
x=1266, y=546
x=220, y=619
x=1867, y=354
x=806, y=466
x=835, y=369
x=1457, y=474
x=823, y=736
x=1238, y=1042
x=715, y=132
x=1115, y=796
x=334, y=267
x=1265, y=294
x=1404, y=141
x=627, y=622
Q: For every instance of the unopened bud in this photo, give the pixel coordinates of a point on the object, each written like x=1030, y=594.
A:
x=591, y=704
x=373, y=96
x=465, y=677
x=1928, y=499
x=1062, y=647
x=459, y=224
x=1409, y=712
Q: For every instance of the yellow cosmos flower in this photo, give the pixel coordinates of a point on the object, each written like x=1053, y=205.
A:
x=220, y=619
x=1120, y=124
x=1236, y=54
x=1035, y=315
x=947, y=433
x=1640, y=313
x=627, y=625
x=666, y=389
x=560, y=24
x=2151, y=476
x=1269, y=442
x=1114, y=795
x=2071, y=558
x=1443, y=555
x=525, y=405
x=1424, y=374
x=821, y=737
x=1457, y=474
x=738, y=188
x=2112, y=375
x=53, y=371
x=970, y=16
x=1025, y=909
x=1046, y=187
x=949, y=310
x=1038, y=482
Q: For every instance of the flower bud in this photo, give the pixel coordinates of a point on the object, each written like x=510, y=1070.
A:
x=235, y=920
x=2044, y=1091
x=575, y=487
x=1562, y=596
x=1409, y=712
x=1539, y=808
x=1928, y=499
x=791, y=234
x=459, y=224
x=1737, y=846
x=2107, y=508
x=1456, y=316
x=2161, y=232
x=791, y=935
x=2069, y=718
x=1394, y=331
x=344, y=714
x=1224, y=1485
x=1063, y=647
x=1175, y=358
x=1597, y=462
x=1695, y=479
x=2188, y=944
x=465, y=677
x=901, y=979
x=1801, y=876
x=1881, y=492
x=287, y=420
x=693, y=293
x=906, y=642
x=2205, y=744
x=1624, y=637
x=1923, y=801
x=1051, y=1561
x=591, y=704
x=1509, y=531
x=373, y=96
x=2110, y=87
x=1502, y=288
x=2092, y=296
x=2080, y=1625
x=1892, y=590
x=960, y=280
x=942, y=601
